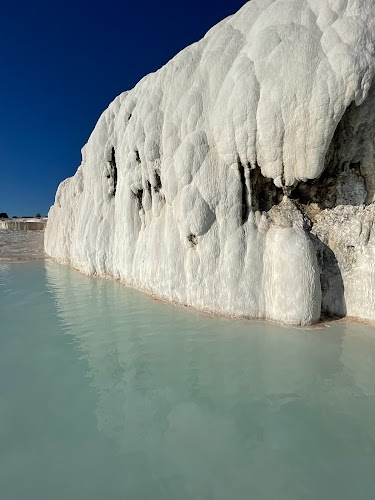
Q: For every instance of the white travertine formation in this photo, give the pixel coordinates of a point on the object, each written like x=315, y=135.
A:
x=184, y=183
x=23, y=224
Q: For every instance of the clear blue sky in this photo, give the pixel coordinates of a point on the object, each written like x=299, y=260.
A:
x=62, y=63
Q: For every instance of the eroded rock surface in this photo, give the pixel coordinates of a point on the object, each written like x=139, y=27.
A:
x=240, y=177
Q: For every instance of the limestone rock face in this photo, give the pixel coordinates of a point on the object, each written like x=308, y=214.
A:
x=239, y=178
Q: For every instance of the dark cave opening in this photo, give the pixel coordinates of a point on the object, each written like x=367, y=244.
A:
x=337, y=185
x=113, y=171
x=264, y=193
x=245, y=206
x=148, y=187
x=139, y=196
x=157, y=186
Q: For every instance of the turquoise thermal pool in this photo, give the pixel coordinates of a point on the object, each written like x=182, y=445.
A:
x=108, y=394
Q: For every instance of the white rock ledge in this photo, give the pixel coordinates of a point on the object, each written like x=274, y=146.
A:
x=239, y=179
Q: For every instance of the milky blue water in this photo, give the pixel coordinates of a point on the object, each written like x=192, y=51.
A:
x=107, y=394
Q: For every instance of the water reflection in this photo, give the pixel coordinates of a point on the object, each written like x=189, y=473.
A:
x=211, y=408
